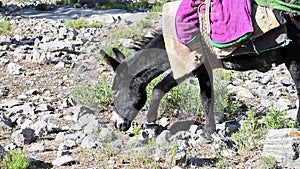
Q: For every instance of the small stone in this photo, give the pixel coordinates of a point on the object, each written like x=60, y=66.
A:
x=15, y=69
x=32, y=92
x=82, y=68
x=3, y=153
x=63, y=160
x=67, y=144
x=36, y=147
x=60, y=65
x=89, y=142
x=44, y=107
x=164, y=121
x=266, y=79
x=10, y=103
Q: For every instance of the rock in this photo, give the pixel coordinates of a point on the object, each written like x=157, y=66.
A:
x=58, y=46
x=67, y=144
x=89, y=142
x=106, y=134
x=164, y=121
x=3, y=61
x=266, y=79
x=292, y=114
x=282, y=104
x=23, y=136
x=36, y=147
x=91, y=127
x=63, y=160
x=262, y=92
x=3, y=153
x=79, y=111
x=82, y=68
x=15, y=69
x=5, y=122
x=241, y=92
x=44, y=107
x=60, y=65
x=284, y=146
x=10, y=103
x=32, y=92
x=40, y=56
x=26, y=109
x=68, y=102
x=40, y=128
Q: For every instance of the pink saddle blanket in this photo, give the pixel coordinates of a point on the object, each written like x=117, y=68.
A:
x=230, y=20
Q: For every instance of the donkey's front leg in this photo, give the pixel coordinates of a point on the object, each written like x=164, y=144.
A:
x=205, y=79
x=164, y=86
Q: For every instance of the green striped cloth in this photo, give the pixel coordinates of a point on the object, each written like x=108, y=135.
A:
x=292, y=7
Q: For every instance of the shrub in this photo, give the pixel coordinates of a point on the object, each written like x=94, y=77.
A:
x=82, y=23
x=97, y=96
x=18, y=161
x=6, y=28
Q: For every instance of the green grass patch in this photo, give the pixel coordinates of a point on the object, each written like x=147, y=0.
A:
x=6, y=28
x=128, y=32
x=145, y=23
x=157, y=7
x=111, y=4
x=98, y=96
x=82, y=23
x=183, y=99
x=18, y=160
x=255, y=129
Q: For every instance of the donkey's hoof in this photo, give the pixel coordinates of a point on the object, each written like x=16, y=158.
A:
x=124, y=126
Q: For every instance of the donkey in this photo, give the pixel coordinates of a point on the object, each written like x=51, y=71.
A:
x=134, y=73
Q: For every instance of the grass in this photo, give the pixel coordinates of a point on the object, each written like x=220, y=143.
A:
x=183, y=99
x=128, y=32
x=19, y=160
x=82, y=23
x=6, y=28
x=97, y=96
x=255, y=129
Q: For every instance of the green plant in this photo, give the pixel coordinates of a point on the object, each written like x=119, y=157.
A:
x=97, y=96
x=70, y=2
x=128, y=32
x=223, y=99
x=157, y=7
x=1, y=4
x=18, y=160
x=137, y=5
x=152, y=16
x=82, y=23
x=145, y=23
x=77, y=5
x=6, y=28
x=41, y=7
x=110, y=4
x=275, y=120
x=137, y=130
x=269, y=162
x=108, y=49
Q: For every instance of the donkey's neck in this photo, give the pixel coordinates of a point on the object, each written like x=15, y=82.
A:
x=137, y=87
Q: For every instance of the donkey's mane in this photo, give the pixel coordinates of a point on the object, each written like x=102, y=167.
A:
x=154, y=39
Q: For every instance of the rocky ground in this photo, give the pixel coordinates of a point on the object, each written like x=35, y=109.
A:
x=45, y=60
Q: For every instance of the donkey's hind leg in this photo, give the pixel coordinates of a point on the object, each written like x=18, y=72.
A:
x=164, y=86
x=294, y=69
x=205, y=78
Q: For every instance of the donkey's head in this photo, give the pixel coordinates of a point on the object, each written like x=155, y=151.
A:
x=127, y=102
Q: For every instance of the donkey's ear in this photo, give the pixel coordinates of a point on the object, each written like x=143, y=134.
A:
x=109, y=60
x=118, y=54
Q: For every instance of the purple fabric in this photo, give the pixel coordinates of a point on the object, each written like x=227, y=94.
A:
x=187, y=20
x=230, y=19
